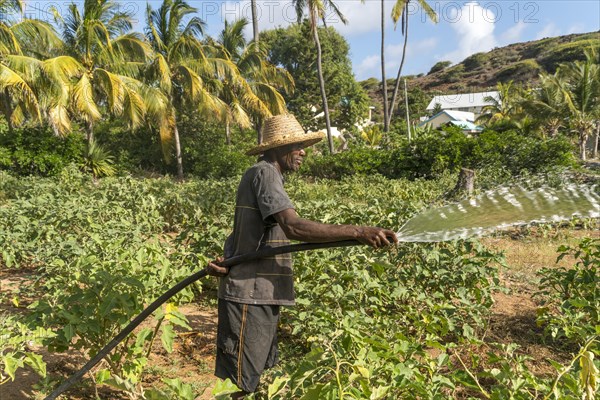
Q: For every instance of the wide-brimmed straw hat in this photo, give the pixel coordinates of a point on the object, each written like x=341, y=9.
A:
x=282, y=130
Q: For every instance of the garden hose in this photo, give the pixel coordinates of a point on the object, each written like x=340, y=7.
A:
x=262, y=253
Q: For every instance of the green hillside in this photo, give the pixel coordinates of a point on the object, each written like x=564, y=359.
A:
x=520, y=62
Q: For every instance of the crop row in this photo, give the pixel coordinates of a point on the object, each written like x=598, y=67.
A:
x=393, y=324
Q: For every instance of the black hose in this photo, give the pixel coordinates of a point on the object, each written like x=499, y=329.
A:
x=265, y=252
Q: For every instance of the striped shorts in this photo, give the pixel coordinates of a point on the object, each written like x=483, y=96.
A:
x=246, y=342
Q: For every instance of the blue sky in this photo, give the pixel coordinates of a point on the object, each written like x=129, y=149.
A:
x=464, y=28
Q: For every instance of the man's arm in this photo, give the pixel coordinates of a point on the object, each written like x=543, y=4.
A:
x=305, y=230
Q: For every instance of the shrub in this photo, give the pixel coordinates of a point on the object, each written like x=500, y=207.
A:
x=568, y=52
x=521, y=71
x=430, y=155
x=359, y=160
x=454, y=74
x=435, y=153
x=516, y=153
x=205, y=152
x=475, y=61
x=440, y=65
x=37, y=151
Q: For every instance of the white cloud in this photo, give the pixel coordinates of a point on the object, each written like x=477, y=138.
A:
x=270, y=14
x=549, y=30
x=371, y=65
x=362, y=18
x=577, y=28
x=474, y=27
x=514, y=33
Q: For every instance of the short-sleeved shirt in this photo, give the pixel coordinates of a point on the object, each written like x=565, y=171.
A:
x=270, y=280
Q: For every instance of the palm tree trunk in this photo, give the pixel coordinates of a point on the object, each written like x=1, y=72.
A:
x=386, y=126
x=397, y=86
x=178, y=153
x=89, y=134
x=595, y=151
x=322, y=86
x=582, y=142
x=259, y=137
x=227, y=134
x=254, y=20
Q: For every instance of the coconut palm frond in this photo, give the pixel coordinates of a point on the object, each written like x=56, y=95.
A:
x=131, y=47
x=166, y=131
x=300, y=5
x=232, y=38
x=19, y=90
x=40, y=36
x=398, y=10
x=28, y=67
x=156, y=102
x=162, y=72
x=83, y=99
x=193, y=86
x=59, y=120
x=113, y=87
x=187, y=48
x=9, y=44
x=270, y=96
x=218, y=67
x=134, y=107
x=65, y=67
x=195, y=27
x=152, y=32
x=239, y=116
x=336, y=10
x=18, y=115
x=12, y=6
x=277, y=77
x=429, y=11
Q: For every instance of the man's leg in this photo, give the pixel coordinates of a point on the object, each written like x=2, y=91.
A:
x=245, y=338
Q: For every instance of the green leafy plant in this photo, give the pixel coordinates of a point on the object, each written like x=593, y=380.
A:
x=571, y=296
x=14, y=348
x=98, y=161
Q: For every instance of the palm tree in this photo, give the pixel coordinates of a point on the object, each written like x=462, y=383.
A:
x=257, y=96
x=99, y=68
x=400, y=11
x=316, y=12
x=20, y=39
x=386, y=120
x=189, y=72
x=582, y=96
x=545, y=104
x=254, y=20
x=503, y=107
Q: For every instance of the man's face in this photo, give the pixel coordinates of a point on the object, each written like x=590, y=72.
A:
x=290, y=157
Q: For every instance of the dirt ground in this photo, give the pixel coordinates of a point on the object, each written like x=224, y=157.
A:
x=512, y=321
x=192, y=361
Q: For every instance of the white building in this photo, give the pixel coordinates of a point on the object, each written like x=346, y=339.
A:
x=468, y=102
x=463, y=119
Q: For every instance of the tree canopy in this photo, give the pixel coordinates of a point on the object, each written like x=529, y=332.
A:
x=292, y=49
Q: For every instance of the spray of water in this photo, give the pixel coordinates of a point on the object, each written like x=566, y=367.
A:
x=500, y=209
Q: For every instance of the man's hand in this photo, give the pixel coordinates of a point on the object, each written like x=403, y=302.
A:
x=216, y=270
x=376, y=237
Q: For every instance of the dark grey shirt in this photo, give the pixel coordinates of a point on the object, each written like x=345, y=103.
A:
x=267, y=281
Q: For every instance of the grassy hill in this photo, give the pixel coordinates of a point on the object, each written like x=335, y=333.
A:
x=520, y=62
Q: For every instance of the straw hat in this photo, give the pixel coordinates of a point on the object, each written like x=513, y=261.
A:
x=282, y=130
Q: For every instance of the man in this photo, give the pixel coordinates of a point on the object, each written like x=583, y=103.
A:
x=250, y=294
